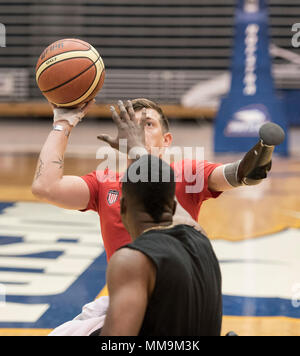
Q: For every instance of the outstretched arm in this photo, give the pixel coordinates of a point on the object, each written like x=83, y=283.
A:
x=255, y=165
x=50, y=184
x=237, y=174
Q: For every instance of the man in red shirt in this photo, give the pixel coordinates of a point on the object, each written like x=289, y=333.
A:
x=144, y=126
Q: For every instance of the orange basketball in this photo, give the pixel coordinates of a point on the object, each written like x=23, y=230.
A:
x=70, y=72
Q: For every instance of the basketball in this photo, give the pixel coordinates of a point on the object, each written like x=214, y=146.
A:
x=70, y=72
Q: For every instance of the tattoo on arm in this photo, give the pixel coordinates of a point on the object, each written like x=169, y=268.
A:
x=60, y=162
x=39, y=170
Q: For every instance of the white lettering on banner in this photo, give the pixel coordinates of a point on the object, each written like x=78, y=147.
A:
x=251, y=42
x=251, y=6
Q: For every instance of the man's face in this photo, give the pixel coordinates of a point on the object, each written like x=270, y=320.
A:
x=154, y=135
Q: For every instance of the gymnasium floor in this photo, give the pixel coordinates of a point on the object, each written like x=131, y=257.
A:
x=52, y=260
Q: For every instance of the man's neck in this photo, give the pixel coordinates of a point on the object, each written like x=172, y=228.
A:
x=158, y=227
x=142, y=226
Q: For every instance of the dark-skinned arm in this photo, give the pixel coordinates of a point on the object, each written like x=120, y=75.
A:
x=130, y=281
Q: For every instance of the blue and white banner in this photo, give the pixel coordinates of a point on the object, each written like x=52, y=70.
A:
x=251, y=101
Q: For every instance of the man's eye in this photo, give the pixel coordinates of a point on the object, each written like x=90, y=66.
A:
x=149, y=124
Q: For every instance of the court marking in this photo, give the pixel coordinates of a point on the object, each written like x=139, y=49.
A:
x=241, y=325
x=34, y=214
x=49, y=270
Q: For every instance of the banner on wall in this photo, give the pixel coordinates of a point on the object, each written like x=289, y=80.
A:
x=252, y=100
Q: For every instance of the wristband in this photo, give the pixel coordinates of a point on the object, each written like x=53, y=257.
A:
x=57, y=127
x=72, y=116
x=231, y=174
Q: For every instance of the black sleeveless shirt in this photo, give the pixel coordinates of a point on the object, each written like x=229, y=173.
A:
x=187, y=298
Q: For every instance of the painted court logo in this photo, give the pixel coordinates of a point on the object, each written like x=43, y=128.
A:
x=2, y=35
x=49, y=272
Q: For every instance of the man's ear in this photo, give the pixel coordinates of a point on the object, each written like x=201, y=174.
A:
x=122, y=206
x=168, y=138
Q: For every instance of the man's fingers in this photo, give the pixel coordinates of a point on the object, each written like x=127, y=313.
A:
x=106, y=138
x=131, y=112
x=115, y=116
x=123, y=112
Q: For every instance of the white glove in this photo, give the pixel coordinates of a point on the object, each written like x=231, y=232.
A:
x=73, y=116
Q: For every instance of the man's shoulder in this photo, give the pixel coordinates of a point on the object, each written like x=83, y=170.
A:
x=129, y=261
x=124, y=254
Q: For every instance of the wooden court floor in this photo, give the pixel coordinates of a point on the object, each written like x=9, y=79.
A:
x=261, y=223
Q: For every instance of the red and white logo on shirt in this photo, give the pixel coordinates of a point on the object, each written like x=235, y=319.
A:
x=112, y=196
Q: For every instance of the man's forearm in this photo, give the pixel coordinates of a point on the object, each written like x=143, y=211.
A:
x=255, y=165
x=51, y=160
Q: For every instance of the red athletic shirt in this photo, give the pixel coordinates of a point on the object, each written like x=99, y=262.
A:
x=105, y=197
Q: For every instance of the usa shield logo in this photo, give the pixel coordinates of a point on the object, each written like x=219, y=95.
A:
x=112, y=196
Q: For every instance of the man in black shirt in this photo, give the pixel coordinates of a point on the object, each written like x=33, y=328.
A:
x=167, y=282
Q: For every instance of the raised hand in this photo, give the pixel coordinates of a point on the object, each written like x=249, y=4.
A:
x=129, y=128
x=72, y=116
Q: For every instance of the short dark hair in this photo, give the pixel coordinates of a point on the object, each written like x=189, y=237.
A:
x=155, y=186
x=140, y=103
